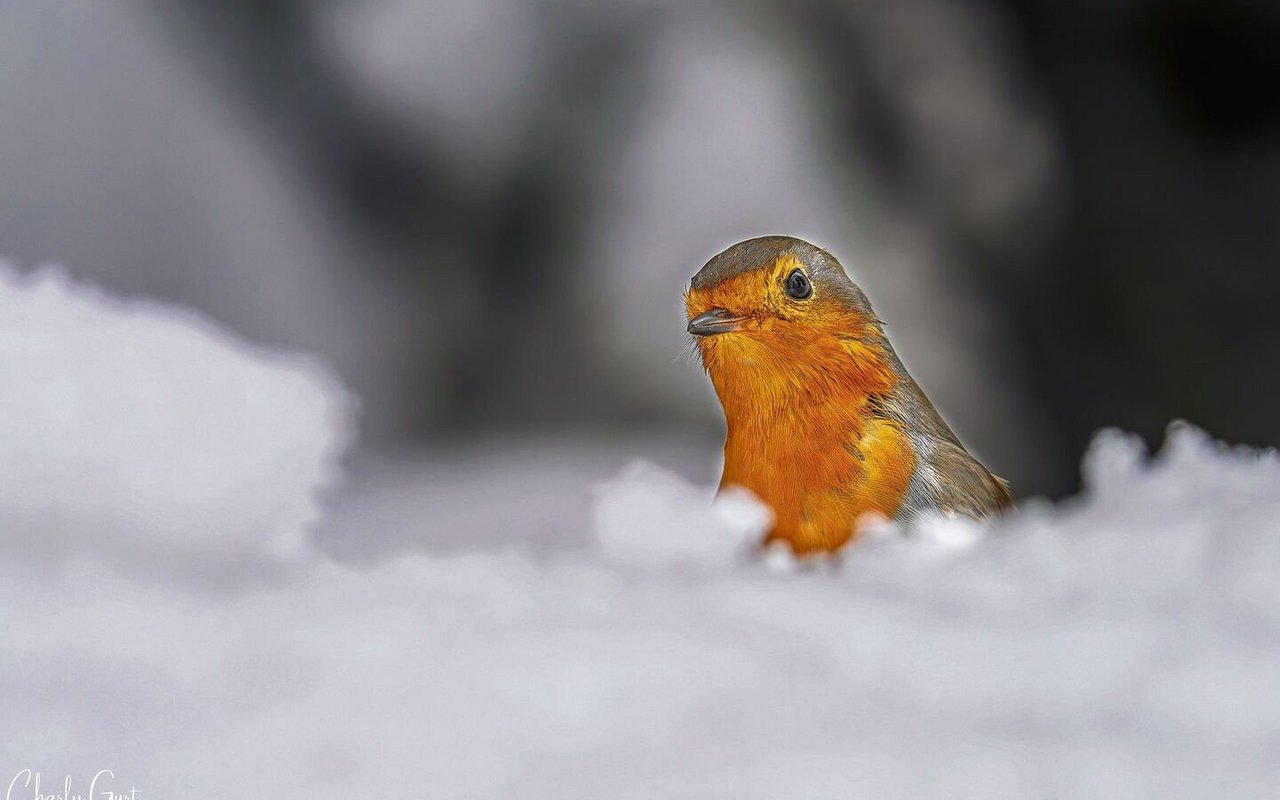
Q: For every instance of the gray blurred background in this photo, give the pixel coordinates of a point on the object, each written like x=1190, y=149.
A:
x=483, y=212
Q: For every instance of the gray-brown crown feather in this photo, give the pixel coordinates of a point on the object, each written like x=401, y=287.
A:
x=824, y=269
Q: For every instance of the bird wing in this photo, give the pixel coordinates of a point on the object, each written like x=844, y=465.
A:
x=961, y=485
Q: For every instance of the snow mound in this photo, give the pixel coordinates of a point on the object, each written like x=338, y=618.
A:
x=651, y=517
x=148, y=436
x=1121, y=645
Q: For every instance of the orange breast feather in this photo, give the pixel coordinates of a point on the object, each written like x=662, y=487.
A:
x=808, y=445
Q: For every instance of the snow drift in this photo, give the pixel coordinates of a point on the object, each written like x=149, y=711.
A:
x=149, y=437
x=1123, y=644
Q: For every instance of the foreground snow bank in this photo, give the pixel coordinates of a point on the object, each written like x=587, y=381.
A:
x=1121, y=645
x=149, y=436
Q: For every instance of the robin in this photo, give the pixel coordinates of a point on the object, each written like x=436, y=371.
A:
x=824, y=423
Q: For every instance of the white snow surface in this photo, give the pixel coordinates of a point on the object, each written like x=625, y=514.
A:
x=683, y=525
x=1123, y=644
x=148, y=436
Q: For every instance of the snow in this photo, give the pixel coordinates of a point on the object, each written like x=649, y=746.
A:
x=1122, y=644
x=650, y=517
x=149, y=437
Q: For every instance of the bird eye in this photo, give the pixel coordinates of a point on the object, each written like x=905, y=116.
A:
x=798, y=286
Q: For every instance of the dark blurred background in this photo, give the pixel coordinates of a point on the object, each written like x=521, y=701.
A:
x=483, y=212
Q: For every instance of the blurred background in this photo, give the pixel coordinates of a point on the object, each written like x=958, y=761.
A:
x=483, y=212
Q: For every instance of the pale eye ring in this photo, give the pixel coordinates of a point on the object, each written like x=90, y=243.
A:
x=798, y=285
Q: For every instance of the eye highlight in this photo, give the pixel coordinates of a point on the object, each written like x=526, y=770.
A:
x=798, y=286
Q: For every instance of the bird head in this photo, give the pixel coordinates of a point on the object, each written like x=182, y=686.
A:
x=776, y=317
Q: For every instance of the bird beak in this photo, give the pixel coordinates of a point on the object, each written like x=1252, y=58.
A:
x=716, y=320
